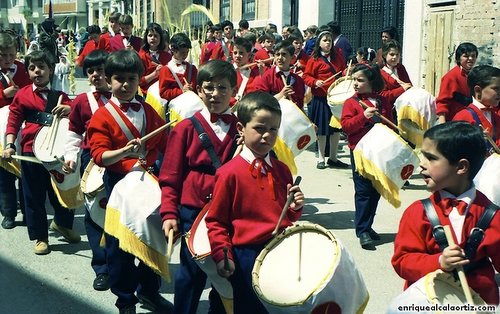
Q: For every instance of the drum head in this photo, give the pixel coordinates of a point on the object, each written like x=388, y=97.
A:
x=444, y=289
x=295, y=265
x=49, y=141
x=341, y=90
x=92, y=178
x=198, y=243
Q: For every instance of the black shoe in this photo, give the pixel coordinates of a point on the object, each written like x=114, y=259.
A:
x=374, y=235
x=156, y=303
x=101, y=282
x=128, y=310
x=366, y=241
x=321, y=165
x=8, y=223
x=337, y=164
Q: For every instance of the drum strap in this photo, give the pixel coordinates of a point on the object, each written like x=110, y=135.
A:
x=206, y=143
x=44, y=117
x=478, y=122
x=123, y=126
x=437, y=228
x=461, y=98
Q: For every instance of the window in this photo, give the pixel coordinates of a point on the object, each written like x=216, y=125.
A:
x=224, y=10
x=248, y=12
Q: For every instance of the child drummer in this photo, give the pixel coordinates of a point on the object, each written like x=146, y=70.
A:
x=237, y=222
x=30, y=104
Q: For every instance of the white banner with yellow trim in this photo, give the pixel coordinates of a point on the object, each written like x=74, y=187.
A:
x=66, y=185
x=487, y=180
x=12, y=166
x=154, y=99
x=132, y=216
x=184, y=106
x=386, y=160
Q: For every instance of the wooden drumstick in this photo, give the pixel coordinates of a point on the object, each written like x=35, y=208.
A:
x=348, y=67
x=53, y=128
x=26, y=158
x=332, y=77
x=300, y=254
x=170, y=244
x=226, y=259
x=378, y=114
x=249, y=65
x=289, y=201
x=491, y=141
x=460, y=269
x=284, y=82
x=185, y=81
x=152, y=134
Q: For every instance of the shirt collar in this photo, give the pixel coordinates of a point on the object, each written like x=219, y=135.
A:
x=118, y=101
x=284, y=72
x=206, y=114
x=34, y=87
x=476, y=103
x=467, y=196
x=248, y=155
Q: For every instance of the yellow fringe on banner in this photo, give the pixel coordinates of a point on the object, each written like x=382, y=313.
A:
x=384, y=186
x=415, y=126
x=71, y=199
x=130, y=243
x=285, y=155
x=175, y=116
x=156, y=104
x=407, y=112
x=11, y=166
x=335, y=123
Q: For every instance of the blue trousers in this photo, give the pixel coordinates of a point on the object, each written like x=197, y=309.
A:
x=125, y=278
x=8, y=194
x=365, y=201
x=245, y=299
x=36, y=183
x=94, y=232
x=190, y=280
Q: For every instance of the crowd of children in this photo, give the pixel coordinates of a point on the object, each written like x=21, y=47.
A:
x=223, y=160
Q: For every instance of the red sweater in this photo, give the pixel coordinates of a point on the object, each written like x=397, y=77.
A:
x=90, y=46
x=353, y=121
x=493, y=129
x=26, y=99
x=234, y=217
x=455, y=81
x=182, y=179
x=416, y=253
x=392, y=90
x=254, y=74
x=115, y=43
x=104, y=41
x=272, y=82
x=81, y=113
x=169, y=89
x=218, y=51
x=150, y=66
x=20, y=78
x=300, y=61
x=206, y=51
x=318, y=69
x=104, y=134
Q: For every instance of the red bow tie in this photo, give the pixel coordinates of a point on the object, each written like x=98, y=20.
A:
x=226, y=118
x=489, y=109
x=132, y=105
x=257, y=167
x=448, y=204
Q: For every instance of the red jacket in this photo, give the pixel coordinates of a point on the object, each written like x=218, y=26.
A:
x=234, y=218
x=318, y=69
x=206, y=51
x=416, y=253
x=150, y=66
x=218, y=51
x=299, y=62
x=455, y=81
x=254, y=74
x=353, y=121
x=492, y=129
x=392, y=90
x=272, y=82
x=105, y=134
x=182, y=179
x=26, y=99
x=115, y=43
x=20, y=78
x=169, y=89
x=90, y=46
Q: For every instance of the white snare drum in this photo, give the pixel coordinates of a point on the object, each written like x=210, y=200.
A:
x=416, y=111
x=306, y=268
x=486, y=179
x=184, y=106
x=341, y=90
x=386, y=160
x=199, y=246
x=92, y=182
x=437, y=287
x=50, y=140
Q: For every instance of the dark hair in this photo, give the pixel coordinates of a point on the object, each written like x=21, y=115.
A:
x=7, y=41
x=334, y=27
x=312, y=29
x=123, y=61
x=243, y=24
x=322, y=32
x=243, y=42
x=226, y=23
x=254, y=101
x=391, y=30
x=39, y=56
x=125, y=19
x=217, y=27
x=465, y=48
x=482, y=76
x=267, y=36
x=180, y=40
x=93, y=29
x=155, y=27
x=251, y=37
x=367, y=53
x=95, y=58
x=285, y=44
x=388, y=45
x=372, y=73
x=216, y=69
x=457, y=140
x=296, y=35
x=114, y=17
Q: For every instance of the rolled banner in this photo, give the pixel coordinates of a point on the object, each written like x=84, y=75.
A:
x=154, y=99
x=486, y=179
x=185, y=106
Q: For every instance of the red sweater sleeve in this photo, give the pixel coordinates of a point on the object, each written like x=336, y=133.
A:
x=455, y=81
x=169, y=89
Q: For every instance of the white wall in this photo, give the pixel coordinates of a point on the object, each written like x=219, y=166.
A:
x=308, y=13
x=413, y=36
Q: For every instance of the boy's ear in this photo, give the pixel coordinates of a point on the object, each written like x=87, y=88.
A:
x=463, y=167
x=477, y=92
x=239, y=127
x=234, y=91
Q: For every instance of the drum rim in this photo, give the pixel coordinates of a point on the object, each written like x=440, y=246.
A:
x=34, y=146
x=83, y=180
x=429, y=284
x=338, y=81
x=189, y=237
x=280, y=237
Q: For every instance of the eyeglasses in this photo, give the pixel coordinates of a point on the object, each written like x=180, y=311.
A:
x=210, y=89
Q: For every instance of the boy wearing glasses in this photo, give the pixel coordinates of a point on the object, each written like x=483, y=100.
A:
x=188, y=172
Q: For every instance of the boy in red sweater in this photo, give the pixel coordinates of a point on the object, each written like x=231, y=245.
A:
x=453, y=153
x=235, y=220
x=187, y=175
x=27, y=106
x=484, y=85
x=107, y=142
x=246, y=76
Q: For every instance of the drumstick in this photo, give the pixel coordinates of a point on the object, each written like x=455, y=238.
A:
x=332, y=77
x=26, y=158
x=53, y=135
x=287, y=204
x=300, y=254
x=226, y=260
x=460, y=269
x=185, y=81
x=170, y=244
x=491, y=141
x=284, y=82
x=249, y=65
x=53, y=127
x=348, y=67
x=378, y=114
x=152, y=134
